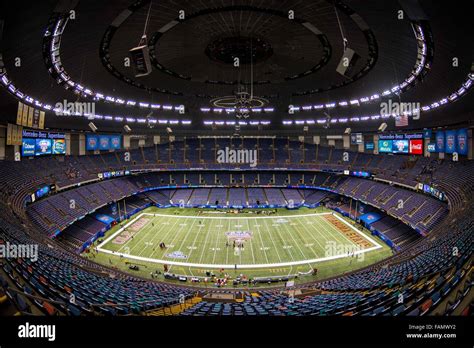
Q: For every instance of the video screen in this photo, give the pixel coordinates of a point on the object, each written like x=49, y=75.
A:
x=59, y=147
x=400, y=146
x=416, y=147
x=43, y=147
x=385, y=146
x=28, y=147
x=42, y=192
x=38, y=143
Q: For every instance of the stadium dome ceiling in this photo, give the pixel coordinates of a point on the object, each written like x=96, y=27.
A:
x=294, y=61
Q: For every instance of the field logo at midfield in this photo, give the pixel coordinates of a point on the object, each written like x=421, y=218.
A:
x=239, y=235
x=177, y=255
x=229, y=156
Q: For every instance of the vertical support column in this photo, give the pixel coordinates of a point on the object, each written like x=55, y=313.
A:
x=346, y=141
x=126, y=142
x=470, y=144
x=68, y=144
x=3, y=142
x=82, y=145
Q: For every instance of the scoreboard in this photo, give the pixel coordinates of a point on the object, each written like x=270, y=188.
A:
x=42, y=192
x=410, y=144
x=39, y=143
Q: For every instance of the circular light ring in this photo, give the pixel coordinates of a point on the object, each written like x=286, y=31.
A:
x=372, y=46
x=423, y=64
x=105, y=46
x=8, y=84
x=466, y=86
x=104, y=57
x=52, y=58
x=421, y=36
x=41, y=105
x=233, y=101
x=327, y=49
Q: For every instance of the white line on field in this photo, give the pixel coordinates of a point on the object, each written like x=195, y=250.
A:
x=359, y=232
x=235, y=218
x=250, y=266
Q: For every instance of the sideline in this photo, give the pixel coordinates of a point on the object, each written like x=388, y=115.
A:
x=230, y=266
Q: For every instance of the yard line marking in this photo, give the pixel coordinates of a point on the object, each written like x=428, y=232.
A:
x=139, y=237
x=186, y=237
x=156, y=234
x=227, y=249
x=163, y=238
x=176, y=238
x=358, y=232
x=120, y=230
x=205, y=243
x=250, y=241
x=283, y=241
x=217, y=241
x=273, y=241
x=178, y=233
x=311, y=235
x=251, y=266
x=340, y=237
x=320, y=228
x=261, y=241
x=235, y=218
x=143, y=234
x=294, y=240
x=149, y=234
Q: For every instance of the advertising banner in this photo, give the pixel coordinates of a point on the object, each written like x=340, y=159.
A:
x=385, y=146
x=462, y=141
x=104, y=142
x=400, y=146
x=28, y=147
x=416, y=147
x=440, y=141
x=92, y=142
x=59, y=147
x=369, y=146
x=451, y=143
x=43, y=147
x=115, y=142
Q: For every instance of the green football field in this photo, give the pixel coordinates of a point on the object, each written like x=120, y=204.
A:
x=196, y=240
